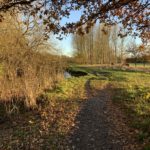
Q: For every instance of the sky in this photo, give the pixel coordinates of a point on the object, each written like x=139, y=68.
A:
x=65, y=46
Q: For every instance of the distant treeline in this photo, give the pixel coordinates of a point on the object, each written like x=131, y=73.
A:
x=143, y=59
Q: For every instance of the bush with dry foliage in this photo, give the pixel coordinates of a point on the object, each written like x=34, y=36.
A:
x=26, y=70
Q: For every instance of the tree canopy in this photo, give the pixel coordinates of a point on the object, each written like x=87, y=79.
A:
x=132, y=14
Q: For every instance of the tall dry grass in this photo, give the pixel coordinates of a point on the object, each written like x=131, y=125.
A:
x=26, y=70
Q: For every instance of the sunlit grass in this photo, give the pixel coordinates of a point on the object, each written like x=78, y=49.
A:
x=141, y=65
x=133, y=93
x=98, y=83
x=72, y=88
x=57, y=109
x=0, y=69
x=131, y=90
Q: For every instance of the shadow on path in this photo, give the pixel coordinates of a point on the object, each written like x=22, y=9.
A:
x=93, y=130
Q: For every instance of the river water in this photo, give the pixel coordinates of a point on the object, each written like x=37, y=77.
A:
x=67, y=75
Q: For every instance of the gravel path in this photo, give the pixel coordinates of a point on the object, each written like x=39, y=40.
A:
x=95, y=128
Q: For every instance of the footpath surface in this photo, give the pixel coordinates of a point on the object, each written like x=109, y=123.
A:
x=99, y=126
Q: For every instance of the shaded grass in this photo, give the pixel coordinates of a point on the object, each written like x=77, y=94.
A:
x=135, y=101
x=131, y=92
x=48, y=126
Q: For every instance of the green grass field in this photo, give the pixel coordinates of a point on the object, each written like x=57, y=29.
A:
x=131, y=92
x=141, y=65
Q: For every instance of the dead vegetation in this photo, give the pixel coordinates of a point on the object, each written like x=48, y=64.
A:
x=26, y=68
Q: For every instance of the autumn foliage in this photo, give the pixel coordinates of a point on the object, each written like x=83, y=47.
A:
x=26, y=71
x=132, y=14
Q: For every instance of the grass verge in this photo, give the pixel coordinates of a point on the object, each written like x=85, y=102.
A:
x=131, y=92
x=49, y=126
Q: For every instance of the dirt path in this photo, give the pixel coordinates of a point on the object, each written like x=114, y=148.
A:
x=97, y=126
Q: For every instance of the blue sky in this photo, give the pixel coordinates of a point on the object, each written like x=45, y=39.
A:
x=65, y=45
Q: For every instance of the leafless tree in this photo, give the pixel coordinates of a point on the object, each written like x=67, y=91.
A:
x=133, y=50
x=27, y=70
x=94, y=47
